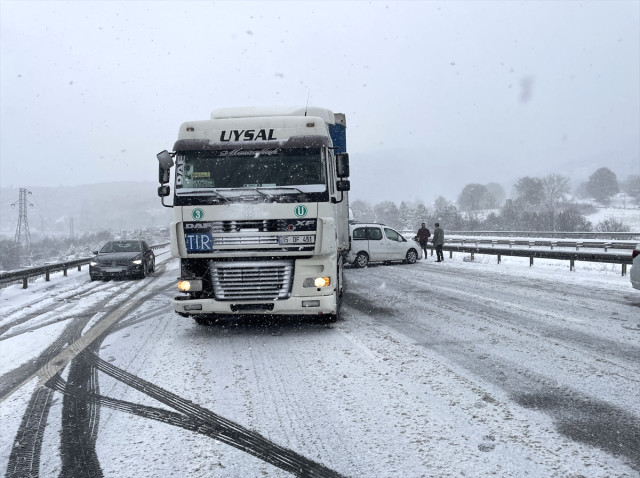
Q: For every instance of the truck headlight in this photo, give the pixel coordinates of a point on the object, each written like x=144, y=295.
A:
x=93, y=263
x=317, y=282
x=190, y=285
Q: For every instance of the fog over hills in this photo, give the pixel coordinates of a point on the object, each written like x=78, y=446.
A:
x=95, y=207
x=393, y=175
x=423, y=175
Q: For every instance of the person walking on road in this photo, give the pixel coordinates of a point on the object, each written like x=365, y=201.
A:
x=438, y=241
x=423, y=238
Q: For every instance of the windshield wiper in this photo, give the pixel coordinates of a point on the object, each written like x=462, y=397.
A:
x=288, y=188
x=202, y=191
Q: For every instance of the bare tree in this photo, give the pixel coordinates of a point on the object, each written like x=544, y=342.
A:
x=555, y=187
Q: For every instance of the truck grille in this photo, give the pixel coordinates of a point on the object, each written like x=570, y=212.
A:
x=252, y=280
x=265, y=225
x=259, y=237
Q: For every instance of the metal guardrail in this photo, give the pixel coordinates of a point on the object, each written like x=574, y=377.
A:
x=551, y=243
x=46, y=270
x=552, y=234
x=606, y=257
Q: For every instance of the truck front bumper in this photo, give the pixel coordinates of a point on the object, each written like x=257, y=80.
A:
x=315, y=305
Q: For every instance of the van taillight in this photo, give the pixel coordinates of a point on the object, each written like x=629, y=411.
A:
x=634, y=253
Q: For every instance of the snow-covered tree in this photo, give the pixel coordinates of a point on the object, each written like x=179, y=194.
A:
x=440, y=203
x=631, y=186
x=475, y=197
x=602, y=185
x=612, y=225
x=529, y=193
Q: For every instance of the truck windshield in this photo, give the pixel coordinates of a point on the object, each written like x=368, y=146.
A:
x=292, y=170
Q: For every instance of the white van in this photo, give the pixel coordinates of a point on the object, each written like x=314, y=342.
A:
x=379, y=243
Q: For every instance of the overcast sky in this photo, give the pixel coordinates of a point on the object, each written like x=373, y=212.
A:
x=91, y=91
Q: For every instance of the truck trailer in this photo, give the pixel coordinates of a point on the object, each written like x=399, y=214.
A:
x=260, y=212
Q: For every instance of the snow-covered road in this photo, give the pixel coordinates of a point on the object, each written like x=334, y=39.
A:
x=453, y=369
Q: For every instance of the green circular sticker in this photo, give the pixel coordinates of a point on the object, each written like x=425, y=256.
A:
x=197, y=214
x=300, y=210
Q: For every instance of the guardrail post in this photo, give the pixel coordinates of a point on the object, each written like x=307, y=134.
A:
x=553, y=244
x=472, y=257
x=493, y=243
x=450, y=254
x=578, y=245
x=46, y=276
x=511, y=243
x=532, y=243
x=499, y=258
x=572, y=264
x=79, y=267
x=25, y=282
x=607, y=245
x=530, y=261
x=624, y=269
x=65, y=272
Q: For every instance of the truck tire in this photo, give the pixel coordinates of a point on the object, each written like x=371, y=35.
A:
x=362, y=259
x=412, y=256
x=338, y=295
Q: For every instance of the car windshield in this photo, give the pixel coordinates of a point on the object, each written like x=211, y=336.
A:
x=121, y=246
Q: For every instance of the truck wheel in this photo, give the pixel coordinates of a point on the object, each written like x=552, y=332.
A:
x=329, y=319
x=412, y=256
x=362, y=259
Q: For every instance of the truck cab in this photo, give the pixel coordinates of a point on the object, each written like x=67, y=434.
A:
x=260, y=212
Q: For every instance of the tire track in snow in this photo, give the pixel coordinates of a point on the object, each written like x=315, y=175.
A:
x=24, y=460
x=218, y=427
x=79, y=430
x=577, y=416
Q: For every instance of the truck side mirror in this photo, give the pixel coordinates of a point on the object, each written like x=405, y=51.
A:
x=165, y=163
x=343, y=185
x=342, y=165
x=164, y=191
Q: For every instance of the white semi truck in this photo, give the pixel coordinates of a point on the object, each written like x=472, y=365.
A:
x=260, y=212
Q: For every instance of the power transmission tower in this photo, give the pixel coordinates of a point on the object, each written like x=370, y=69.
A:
x=22, y=230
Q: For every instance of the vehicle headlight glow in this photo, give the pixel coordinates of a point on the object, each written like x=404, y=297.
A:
x=190, y=285
x=138, y=261
x=317, y=282
x=93, y=263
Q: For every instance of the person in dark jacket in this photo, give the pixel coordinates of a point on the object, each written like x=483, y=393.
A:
x=438, y=241
x=423, y=238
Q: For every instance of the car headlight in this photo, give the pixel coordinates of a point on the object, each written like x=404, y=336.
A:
x=137, y=261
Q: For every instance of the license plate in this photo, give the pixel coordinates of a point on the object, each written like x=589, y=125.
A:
x=113, y=269
x=297, y=240
x=198, y=242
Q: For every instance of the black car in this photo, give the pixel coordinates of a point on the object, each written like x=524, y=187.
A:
x=122, y=259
